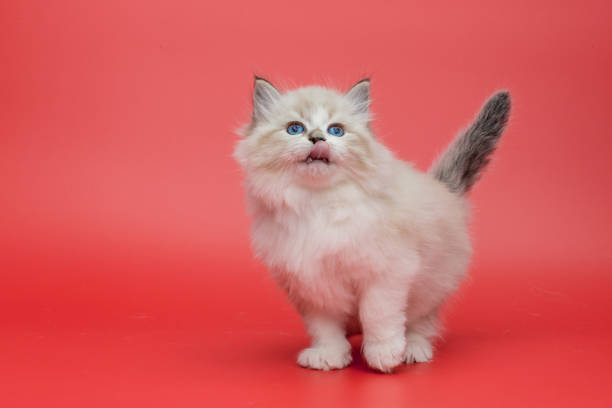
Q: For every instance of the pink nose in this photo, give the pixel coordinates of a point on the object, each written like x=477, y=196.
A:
x=320, y=150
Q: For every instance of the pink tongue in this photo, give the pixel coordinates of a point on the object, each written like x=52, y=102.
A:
x=320, y=150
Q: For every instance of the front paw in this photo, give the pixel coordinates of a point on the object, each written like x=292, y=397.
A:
x=385, y=355
x=325, y=357
x=418, y=349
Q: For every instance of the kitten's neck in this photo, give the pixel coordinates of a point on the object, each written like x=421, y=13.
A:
x=274, y=193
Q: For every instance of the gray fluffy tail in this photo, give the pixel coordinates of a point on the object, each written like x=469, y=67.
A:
x=463, y=161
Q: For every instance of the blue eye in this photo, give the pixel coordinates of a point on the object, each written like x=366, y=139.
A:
x=335, y=130
x=295, y=128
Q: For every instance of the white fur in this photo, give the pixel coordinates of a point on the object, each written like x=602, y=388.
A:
x=363, y=244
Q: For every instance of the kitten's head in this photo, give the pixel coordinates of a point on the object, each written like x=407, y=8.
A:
x=313, y=137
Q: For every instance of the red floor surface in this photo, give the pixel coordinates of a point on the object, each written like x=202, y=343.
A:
x=126, y=278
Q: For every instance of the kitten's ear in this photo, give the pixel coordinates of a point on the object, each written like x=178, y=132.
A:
x=265, y=95
x=359, y=95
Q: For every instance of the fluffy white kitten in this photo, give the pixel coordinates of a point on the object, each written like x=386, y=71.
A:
x=360, y=241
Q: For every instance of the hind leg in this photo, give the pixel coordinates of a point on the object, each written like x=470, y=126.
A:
x=419, y=337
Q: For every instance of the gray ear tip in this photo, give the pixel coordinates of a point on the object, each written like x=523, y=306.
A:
x=361, y=89
x=260, y=80
x=262, y=85
x=265, y=96
x=363, y=82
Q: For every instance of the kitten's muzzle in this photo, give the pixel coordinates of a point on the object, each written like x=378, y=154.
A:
x=320, y=151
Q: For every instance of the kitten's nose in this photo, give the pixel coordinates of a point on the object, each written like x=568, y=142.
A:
x=315, y=136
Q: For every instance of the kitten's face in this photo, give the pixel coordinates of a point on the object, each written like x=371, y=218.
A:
x=316, y=136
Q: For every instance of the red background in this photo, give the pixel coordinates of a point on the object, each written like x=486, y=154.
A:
x=126, y=274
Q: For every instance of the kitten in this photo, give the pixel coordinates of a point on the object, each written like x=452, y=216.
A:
x=360, y=241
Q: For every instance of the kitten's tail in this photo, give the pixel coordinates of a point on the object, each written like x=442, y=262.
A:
x=460, y=165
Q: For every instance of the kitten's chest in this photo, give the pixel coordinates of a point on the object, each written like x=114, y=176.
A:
x=314, y=241
x=317, y=259
x=317, y=255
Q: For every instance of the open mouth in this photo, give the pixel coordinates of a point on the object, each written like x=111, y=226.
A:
x=311, y=159
x=319, y=153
